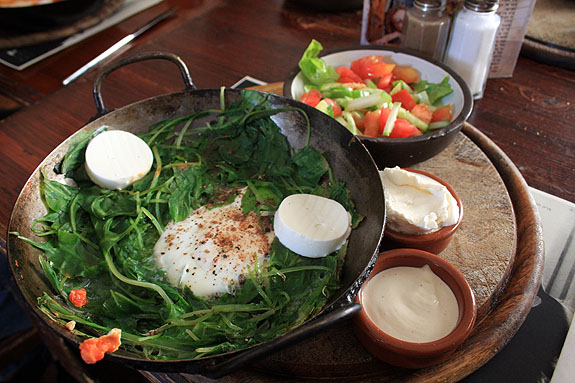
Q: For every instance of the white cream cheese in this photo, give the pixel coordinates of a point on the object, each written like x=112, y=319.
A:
x=115, y=159
x=415, y=203
x=411, y=304
x=311, y=225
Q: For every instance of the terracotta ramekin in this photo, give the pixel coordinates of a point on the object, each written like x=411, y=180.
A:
x=434, y=242
x=409, y=354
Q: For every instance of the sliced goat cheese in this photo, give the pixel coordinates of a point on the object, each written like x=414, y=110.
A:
x=116, y=159
x=311, y=225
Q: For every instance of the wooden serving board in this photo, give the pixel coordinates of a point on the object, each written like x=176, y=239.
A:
x=499, y=248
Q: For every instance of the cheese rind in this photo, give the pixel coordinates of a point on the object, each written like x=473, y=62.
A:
x=116, y=159
x=311, y=226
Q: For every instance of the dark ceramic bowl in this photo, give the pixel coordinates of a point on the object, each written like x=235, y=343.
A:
x=434, y=242
x=403, y=152
x=410, y=354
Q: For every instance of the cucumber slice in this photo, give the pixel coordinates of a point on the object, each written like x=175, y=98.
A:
x=403, y=84
x=349, y=123
x=391, y=119
x=395, y=89
x=419, y=124
x=325, y=107
x=330, y=85
x=365, y=102
x=439, y=124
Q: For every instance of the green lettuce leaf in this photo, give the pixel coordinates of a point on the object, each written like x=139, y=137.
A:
x=435, y=92
x=315, y=69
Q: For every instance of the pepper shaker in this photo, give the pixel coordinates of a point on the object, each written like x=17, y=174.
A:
x=471, y=44
x=426, y=28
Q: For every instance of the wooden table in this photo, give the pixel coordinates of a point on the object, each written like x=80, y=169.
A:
x=530, y=115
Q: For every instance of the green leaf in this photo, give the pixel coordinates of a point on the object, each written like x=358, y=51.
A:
x=262, y=196
x=73, y=258
x=310, y=166
x=435, y=92
x=314, y=68
x=56, y=196
x=180, y=200
x=75, y=155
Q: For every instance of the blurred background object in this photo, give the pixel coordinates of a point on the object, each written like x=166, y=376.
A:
x=331, y=5
x=383, y=24
x=472, y=42
x=550, y=34
x=426, y=28
x=29, y=25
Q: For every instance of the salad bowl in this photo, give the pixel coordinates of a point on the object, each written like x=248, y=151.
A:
x=407, y=151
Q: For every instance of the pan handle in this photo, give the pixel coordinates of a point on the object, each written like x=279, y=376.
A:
x=133, y=59
x=344, y=312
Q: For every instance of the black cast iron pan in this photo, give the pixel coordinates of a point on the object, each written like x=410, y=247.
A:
x=347, y=156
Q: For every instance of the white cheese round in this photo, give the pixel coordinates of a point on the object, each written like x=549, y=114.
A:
x=311, y=225
x=116, y=159
x=415, y=203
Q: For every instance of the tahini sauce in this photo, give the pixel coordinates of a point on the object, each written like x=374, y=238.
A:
x=411, y=304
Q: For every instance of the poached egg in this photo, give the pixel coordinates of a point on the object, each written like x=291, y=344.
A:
x=211, y=250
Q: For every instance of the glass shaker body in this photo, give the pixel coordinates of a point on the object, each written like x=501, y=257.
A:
x=470, y=48
x=426, y=28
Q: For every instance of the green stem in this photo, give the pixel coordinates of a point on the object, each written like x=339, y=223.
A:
x=133, y=282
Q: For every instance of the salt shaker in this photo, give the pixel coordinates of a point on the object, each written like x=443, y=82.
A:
x=471, y=43
x=426, y=28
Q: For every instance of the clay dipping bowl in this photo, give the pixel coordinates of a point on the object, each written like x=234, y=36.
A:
x=434, y=242
x=403, y=152
x=409, y=354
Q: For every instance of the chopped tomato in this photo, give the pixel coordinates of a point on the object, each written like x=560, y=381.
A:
x=93, y=350
x=347, y=75
x=334, y=106
x=346, y=80
x=422, y=112
x=405, y=73
x=384, y=81
x=403, y=128
x=78, y=297
x=403, y=96
x=383, y=116
x=371, y=124
x=312, y=98
x=442, y=114
x=359, y=120
x=371, y=67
